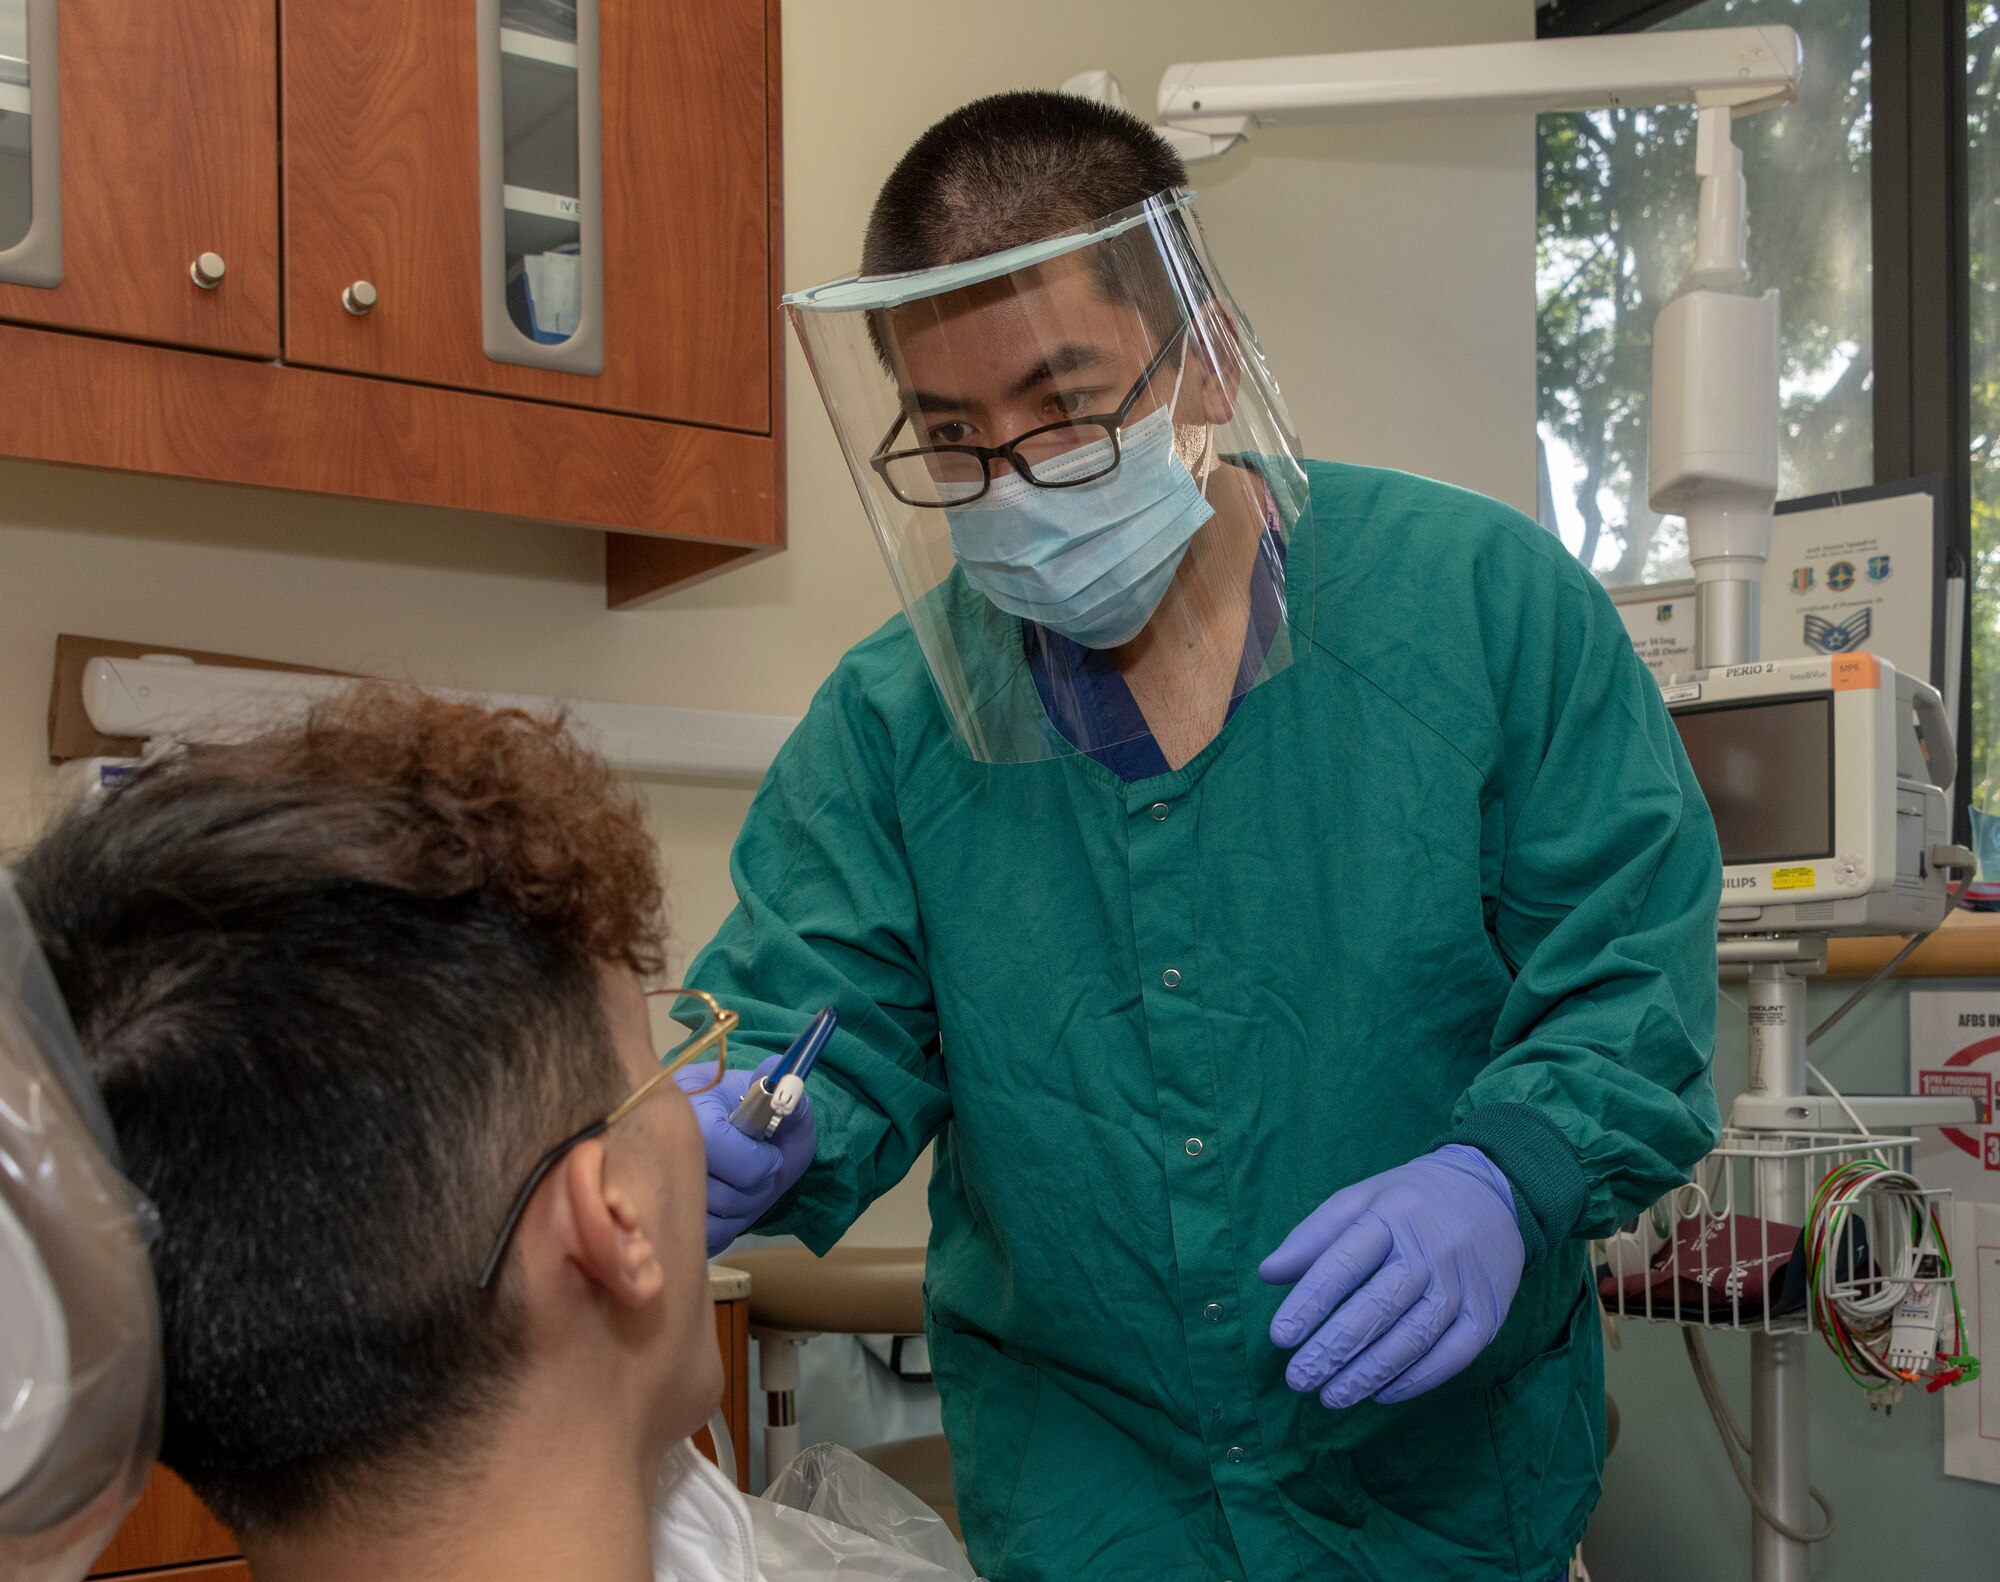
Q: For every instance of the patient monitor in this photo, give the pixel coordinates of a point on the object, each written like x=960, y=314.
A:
x=1827, y=779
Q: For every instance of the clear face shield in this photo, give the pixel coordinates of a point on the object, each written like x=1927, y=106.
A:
x=1081, y=475
x=80, y=1373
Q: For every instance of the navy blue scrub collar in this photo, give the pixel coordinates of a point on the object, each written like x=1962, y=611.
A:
x=1089, y=703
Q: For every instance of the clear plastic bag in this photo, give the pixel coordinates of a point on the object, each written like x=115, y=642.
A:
x=79, y=1322
x=829, y=1514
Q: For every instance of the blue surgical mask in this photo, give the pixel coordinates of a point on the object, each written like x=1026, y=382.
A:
x=1094, y=561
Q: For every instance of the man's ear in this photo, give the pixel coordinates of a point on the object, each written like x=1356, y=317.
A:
x=1217, y=361
x=605, y=1236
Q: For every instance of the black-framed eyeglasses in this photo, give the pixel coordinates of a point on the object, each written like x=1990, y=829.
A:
x=936, y=476
x=711, y=1031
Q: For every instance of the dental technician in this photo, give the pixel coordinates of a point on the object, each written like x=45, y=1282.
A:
x=1274, y=886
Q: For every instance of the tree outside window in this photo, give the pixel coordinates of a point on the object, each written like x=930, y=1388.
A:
x=1982, y=101
x=1617, y=207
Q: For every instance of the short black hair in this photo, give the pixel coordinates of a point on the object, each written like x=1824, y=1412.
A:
x=1009, y=169
x=340, y=987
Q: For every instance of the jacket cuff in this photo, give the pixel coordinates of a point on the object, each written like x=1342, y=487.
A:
x=1549, y=1186
x=802, y=1214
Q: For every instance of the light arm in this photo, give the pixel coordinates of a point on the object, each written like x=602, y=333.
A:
x=1205, y=107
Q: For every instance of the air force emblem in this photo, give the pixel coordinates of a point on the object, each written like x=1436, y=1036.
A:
x=1831, y=638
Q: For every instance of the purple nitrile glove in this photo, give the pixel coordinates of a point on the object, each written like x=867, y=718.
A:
x=1402, y=1279
x=745, y=1177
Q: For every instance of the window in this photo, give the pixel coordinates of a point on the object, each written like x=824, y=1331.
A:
x=1982, y=106
x=1617, y=202
x=1874, y=207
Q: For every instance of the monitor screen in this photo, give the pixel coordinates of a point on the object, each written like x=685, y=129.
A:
x=1767, y=771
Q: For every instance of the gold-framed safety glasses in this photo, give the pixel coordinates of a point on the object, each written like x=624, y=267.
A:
x=709, y=1028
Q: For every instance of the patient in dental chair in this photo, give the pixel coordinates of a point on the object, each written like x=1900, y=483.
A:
x=342, y=986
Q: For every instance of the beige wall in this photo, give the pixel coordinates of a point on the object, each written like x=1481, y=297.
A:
x=1388, y=269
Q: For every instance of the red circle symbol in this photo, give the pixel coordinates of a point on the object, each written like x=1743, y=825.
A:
x=1970, y=1054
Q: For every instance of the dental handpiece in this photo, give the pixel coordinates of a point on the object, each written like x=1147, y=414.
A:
x=772, y=1098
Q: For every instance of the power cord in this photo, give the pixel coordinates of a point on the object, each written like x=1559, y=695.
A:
x=1953, y=859
x=1838, y=1097
x=1736, y=1441
x=1854, y=1311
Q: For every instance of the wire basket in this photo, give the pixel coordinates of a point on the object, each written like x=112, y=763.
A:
x=1726, y=1250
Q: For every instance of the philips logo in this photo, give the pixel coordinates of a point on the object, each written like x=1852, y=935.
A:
x=1739, y=882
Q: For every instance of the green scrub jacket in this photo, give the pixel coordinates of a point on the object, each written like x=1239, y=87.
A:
x=1447, y=877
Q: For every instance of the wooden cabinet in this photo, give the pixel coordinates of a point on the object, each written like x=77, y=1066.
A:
x=732, y=1334
x=382, y=183
x=170, y=1528
x=169, y=151
x=174, y=145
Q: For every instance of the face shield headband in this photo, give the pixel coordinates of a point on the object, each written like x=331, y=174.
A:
x=1061, y=447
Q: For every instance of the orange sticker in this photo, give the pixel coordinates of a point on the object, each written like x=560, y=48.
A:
x=1856, y=672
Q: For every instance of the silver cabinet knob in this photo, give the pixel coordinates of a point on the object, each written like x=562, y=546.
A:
x=358, y=298
x=207, y=271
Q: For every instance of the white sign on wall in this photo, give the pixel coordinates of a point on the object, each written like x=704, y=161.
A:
x=1661, y=621
x=1847, y=573
x=1972, y=1409
x=1860, y=575
x=1955, y=1052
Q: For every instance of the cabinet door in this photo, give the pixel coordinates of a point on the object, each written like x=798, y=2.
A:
x=383, y=185
x=168, y=1527
x=168, y=152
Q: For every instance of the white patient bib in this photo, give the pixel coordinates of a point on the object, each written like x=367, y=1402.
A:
x=701, y=1526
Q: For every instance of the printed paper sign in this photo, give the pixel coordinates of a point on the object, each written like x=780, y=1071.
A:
x=1972, y=1410
x=1860, y=576
x=1850, y=578
x=1955, y=1051
x=1662, y=628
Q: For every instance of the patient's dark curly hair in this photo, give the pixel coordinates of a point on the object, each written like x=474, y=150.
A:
x=341, y=985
